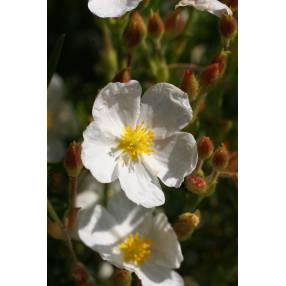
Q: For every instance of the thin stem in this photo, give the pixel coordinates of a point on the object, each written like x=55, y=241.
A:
x=73, y=191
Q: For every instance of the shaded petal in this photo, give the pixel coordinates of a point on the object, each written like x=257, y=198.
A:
x=166, y=250
x=165, y=109
x=173, y=158
x=97, y=230
x=140, y=185
x=112, y=8
x=117, y=106
x=97, y=153
x=212, y=6
x=152, y=274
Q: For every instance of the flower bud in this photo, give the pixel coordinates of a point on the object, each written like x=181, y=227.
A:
x=186, y=223
x=162, y=71
x=175, y=24
x=55, y=231
x=233, y=4
x=135, y=32
x=195, y=184
x=221, y=59
x=228, y=26
x=190, y=84
x=205, y=147
x=80, y=274
x=210, y=74
x=121, y=277
x=122, y=76
x=156, y=25
x=72, y=161
x=220, y=158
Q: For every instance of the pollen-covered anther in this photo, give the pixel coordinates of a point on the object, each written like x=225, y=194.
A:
x=136, y=141
x=136, y=249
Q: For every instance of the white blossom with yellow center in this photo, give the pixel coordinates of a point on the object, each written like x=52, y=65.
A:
x=134, y=238
x=139, y=140
x=212, y=6
x=112, y=8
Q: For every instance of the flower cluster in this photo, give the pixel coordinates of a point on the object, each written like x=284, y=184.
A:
x=142, y=145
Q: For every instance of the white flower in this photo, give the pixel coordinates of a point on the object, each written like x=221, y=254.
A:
x=137, y=140
x=212, y=6
x=132, y=237
x=61, y=120
x=111, y=8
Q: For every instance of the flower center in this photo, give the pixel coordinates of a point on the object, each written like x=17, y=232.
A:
x=136, y=141
x=136, y=249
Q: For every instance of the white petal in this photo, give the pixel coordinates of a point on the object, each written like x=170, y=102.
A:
x=152, y=274
x=165, y=109
x=112, y=8
x=89, y=191
x=173, y=158
x=97, y=153
x=140, y=185
x=97, y=230
x=166, y=250
x=128, y=215
x=212, y=6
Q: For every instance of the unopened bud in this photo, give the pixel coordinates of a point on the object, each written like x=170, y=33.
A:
x=156, y=25
x=228, y=26
x=175, y=24
x=135, y=32
x=122, y=76
x=121, y=277
x=211, y=74
x=205, y=147
x=221, y=59
x=80, y=274
x=220, y=158
x=186, y=223
x=162, y=71
x=72, y=161
x=55, y=231
x=195, y=184
x=233, y=4
x=190, y=84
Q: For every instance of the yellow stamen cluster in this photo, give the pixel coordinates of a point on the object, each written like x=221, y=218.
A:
x=136, y=141
x=136, y=249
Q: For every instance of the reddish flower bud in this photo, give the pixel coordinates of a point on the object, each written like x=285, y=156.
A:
x=220, y=158
x=228, y=26
x=121, y=277
x=156, y=25
x=195, y=184
x=190, y=84
x=80, y=274
x=210, y=74
x=221, y=59
x=186, y=223
x=135, y=32
x=122, y=76
x=233, y=162
x=72, y=161
x=205, y=147
x=233, y=4
x=175, y=24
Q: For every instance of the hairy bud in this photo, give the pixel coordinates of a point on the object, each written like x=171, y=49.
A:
x=72, y=161
x=175, y=24
x=220, y=158
x=156, y=25
x=80, y=274
x=186, y=223
x=221, y=59
x=205, y=147
x=135, y=32
x=228, y=26
x=122, y=76
x=190, y=84
x=195, y=184
x=121, y=277
x=211, y=74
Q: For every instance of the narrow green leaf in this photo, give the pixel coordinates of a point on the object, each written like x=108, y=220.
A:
x=55, y=56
